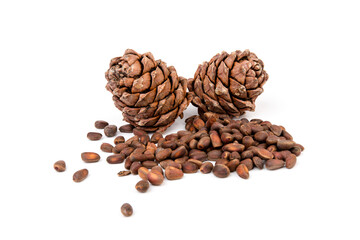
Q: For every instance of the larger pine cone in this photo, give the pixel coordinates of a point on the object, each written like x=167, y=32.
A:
x=228, y=85
x=150, y=94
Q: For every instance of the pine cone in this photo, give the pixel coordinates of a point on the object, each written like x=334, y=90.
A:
x=228, y=85
x=150, y=94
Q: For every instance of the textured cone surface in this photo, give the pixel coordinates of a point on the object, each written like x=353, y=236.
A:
x=229, y=84
x=149, y=93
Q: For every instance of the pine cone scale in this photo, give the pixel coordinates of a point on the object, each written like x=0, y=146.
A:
x=223, y=74
x=228, y=106
x=129, y=99
x=255, y=93
x=148, y=122
x=157, y=77
x=146, y=98
x=243, y=104
x=131, y=111
x=229, y=61
x=166, y=118
x=148, y=64
x=141, y=84
x=222, y=91
x=163, y=90
x=211, y=72
x=213, y=105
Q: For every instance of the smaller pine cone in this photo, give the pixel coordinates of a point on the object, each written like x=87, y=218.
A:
x=149, y=93
x=228, y=85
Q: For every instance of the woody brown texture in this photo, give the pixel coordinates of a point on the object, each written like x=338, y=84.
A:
x=149, y=93
x=228, y=85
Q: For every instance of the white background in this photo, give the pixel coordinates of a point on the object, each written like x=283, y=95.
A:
x=53, y=56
